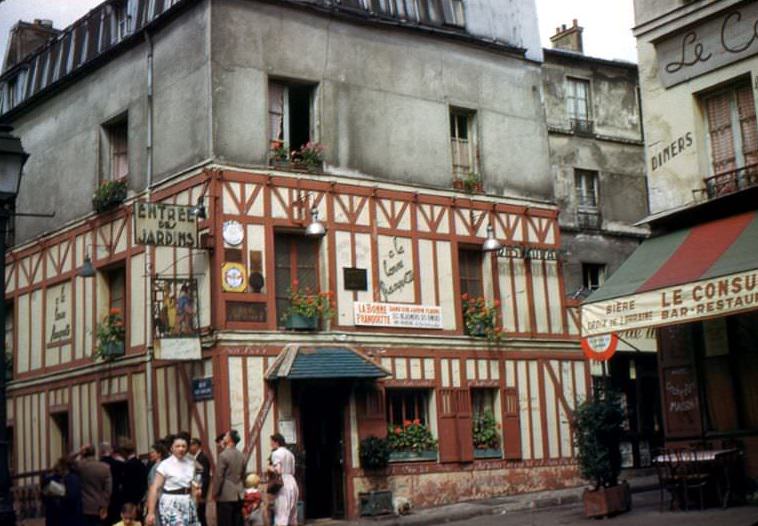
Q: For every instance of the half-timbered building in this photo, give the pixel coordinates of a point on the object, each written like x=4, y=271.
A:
x=183, y=102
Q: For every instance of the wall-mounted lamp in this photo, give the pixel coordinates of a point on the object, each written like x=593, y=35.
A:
x=87, y=270
x=199, y=209
x=315, y=228
x=491, y=244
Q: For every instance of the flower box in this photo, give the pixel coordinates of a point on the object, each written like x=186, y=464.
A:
x=108, y=195
x=477, y=331
x=488, y=453
x=413, y=456
x=298, y=322
x=113, y=350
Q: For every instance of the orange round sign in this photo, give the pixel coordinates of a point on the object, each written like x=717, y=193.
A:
x=601, y=347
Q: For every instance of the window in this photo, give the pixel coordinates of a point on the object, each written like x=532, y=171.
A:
x=117, y=138
x=407, y=405
x=117, y=425
x=578, y=99
x=593, y=275
x=732, y=130
x=470, y=271
x=463, y=142
x=585, y=182
x=116, y=279
x=290, y=113
x=9, y=320
x=296, y=262
x=59, y=444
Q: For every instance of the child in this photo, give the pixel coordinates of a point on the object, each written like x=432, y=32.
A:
x=251, y=504
x=128, y=515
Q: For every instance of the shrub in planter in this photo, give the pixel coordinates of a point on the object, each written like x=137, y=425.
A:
x=374, y=453
x=310, y=156
x=109, y=195
x=598, y=428
x=307, y=307
x=485, y=431
x=110, y=337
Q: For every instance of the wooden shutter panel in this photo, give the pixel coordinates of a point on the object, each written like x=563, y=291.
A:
x=511, y=424
x=720, y=133
x=456, y=442
x=371, y=412
x=746, y=111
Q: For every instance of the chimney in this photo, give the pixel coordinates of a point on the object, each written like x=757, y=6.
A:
x=568, y=38
x=25, y=38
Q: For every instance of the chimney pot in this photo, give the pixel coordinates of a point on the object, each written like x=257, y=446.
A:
x=576, y=22
x=563, y=27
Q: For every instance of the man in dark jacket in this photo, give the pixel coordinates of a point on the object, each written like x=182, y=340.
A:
x=116, y=464
x=134, y=474
x=196, y=449
x=227, y=482
x=95, y=486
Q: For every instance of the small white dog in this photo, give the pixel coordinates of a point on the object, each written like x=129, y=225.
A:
x=401, y=505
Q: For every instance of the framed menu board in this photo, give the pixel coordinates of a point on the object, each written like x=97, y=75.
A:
x=681, y=405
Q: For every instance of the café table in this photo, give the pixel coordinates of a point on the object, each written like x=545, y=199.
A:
x=721, y=463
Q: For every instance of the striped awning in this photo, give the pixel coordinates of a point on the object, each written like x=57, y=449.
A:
x=708, y=270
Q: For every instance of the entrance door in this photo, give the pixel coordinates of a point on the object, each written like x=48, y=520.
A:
x=322, y=419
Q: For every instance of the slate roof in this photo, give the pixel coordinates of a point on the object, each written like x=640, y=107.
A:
x=310, y=363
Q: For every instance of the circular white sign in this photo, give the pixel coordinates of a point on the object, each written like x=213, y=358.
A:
x=234, y=233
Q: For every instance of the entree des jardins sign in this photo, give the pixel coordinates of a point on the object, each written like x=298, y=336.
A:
x=165, y=225
x=672, y=305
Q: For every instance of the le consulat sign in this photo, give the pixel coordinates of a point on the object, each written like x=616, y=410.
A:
x=716, y=42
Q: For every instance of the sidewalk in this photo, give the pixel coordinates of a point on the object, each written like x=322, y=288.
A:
x=493, y=506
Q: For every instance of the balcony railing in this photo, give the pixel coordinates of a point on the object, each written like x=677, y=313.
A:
x=583, y=127
x=732, y=181
x=589, y=219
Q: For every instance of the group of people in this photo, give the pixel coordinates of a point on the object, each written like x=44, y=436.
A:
x=118, y=489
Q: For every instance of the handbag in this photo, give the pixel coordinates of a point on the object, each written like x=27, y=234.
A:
x=275, y=483
x=54, y=489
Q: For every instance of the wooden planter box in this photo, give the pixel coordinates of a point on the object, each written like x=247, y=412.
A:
x=298, y=322
x=605, y=502
x=413, y=456
x=113, y=350
x=488, y=453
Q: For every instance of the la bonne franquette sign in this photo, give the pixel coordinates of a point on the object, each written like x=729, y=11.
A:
x=165, y=225
x=397, y=315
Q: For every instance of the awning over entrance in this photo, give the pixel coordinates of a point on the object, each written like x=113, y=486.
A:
x=708, y=270
x=305, y=362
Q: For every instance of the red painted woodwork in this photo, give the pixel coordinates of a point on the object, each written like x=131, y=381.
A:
x=372, y=418
x=456, y=442
x=511, y=424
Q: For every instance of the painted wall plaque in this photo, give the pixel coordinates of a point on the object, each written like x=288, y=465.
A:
x=165, y=225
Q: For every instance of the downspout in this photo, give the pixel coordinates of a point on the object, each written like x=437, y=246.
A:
x=149, y=249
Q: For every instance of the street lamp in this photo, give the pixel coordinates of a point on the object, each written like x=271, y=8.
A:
x=12, y=159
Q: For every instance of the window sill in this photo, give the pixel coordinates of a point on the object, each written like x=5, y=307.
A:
x=413, y=456
x=488, y=453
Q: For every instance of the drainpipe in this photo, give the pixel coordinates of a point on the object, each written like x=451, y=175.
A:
x=149, y=249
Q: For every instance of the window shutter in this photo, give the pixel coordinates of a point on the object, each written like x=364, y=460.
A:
x=276, y=110
x=456, y=443
x=370, y=412
x=720, y=132
x=746, y=110
x=511, y=424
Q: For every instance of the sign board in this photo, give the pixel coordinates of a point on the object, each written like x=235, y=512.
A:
x=600, y=348
x=712, y=44
x=288, y=430
x=355, y=278
x=684, y=303
x=175, y=307
x=202, y=389
x=165, y=225
x=397, y=315
x=178, y=349
x=59, y=313
x=638, y=340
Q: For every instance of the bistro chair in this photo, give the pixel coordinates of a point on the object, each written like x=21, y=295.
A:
x=695, y=473
x=666, y=466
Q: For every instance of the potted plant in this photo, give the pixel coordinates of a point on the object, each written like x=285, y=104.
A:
x=307, y=308
x=486, y=436
x=598, y=428
x=279, y=154
x=110, y=336
x=412, y=441
x=310, y=156
x=470, y=183
x=374, y=453
x=480, y=319
x=109, y=195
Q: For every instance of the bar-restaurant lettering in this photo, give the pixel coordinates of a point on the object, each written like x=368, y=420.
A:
x=166, y=225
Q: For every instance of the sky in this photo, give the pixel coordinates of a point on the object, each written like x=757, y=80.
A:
x=607, y=23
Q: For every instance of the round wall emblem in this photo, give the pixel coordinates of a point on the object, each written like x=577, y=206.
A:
x=234, y=233
x=600, y=348
x=234, y=279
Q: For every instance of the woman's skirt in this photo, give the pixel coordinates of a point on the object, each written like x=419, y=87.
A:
x=177, y=510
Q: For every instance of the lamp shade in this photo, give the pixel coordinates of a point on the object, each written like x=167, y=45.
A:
x=491, y=244
x=86, y=270
x=12, y=159
x=315, y=228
